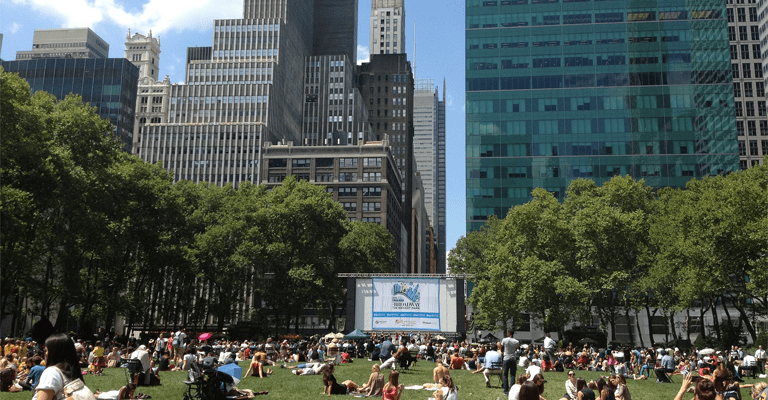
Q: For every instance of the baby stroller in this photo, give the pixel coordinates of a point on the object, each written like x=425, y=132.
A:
x=207, y=385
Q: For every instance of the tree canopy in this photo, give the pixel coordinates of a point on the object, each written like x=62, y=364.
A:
x=616, y=249
x=89, y=232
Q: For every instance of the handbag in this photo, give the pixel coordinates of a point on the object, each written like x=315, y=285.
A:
x=74, y=389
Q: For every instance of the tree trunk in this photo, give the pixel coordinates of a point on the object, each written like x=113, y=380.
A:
x=717, y=322
x=650, y=328
x=639, y=331
x=672, y=325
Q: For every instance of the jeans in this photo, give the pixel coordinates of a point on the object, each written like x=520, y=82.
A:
x=510, y=365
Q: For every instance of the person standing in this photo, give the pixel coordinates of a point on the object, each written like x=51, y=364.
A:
x=549, y=347
x=509, y=368
x=760, y=355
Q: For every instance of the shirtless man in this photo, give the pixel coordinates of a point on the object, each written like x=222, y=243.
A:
x=439, y=372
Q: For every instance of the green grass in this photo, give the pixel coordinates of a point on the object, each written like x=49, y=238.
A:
x=284, y=385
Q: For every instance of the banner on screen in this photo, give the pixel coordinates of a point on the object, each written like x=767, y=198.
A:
x=410, y=304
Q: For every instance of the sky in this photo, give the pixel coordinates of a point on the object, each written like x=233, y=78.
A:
x=438, y=28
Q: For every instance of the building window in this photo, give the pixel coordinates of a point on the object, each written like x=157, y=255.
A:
x=736, y=89
x=372, y=162
x=750, y=109
x=371, y=192
x=371, y=176
x=300, y=163
x=753, y=147
x=347, y=162
x=739, y=109
x=376, y=206
x=347, y=192
x=276, y=178
x=324, y=177
x=751, y=128
x=349, y=206
x=347, y=176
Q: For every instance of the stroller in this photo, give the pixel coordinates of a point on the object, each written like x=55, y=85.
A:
x=207, y=384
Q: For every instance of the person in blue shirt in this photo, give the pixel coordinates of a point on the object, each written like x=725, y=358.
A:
x=667, y=367
x=34, y=374
x=493, y=361
x=387, y=348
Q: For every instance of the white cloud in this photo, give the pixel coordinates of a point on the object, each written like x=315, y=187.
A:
x=363, y=54
x=14, y=27
x=158, y=15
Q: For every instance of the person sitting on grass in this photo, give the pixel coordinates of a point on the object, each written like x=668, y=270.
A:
x=514, y=391
x=257, y=366
x=446, y=390
x=760, y=391
x=704, y=389
x=457, y=362
x=331, y=387
x=570, y=387
x=621, y=392
x=375, y=383
x=392, y=390
x=439, y=371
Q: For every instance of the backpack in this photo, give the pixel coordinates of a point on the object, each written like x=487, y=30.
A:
x=74, y=389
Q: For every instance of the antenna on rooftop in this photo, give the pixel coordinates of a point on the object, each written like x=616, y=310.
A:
x=414, y=49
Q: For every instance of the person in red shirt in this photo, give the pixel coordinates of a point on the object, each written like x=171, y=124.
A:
x=457, y=362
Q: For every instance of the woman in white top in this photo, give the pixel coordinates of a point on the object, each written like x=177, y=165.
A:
x=447, y=391
x=514, y=391
x=63, y=366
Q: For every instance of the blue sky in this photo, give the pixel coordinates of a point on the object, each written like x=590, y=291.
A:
x=439, y=36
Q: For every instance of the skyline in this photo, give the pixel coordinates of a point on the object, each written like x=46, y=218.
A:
x=191, y=25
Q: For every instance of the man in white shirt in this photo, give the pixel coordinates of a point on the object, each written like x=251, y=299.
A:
x=510, y=346
x=549, y=347
x=760, y=356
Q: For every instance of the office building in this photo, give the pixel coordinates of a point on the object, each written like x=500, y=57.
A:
x=335, y=29
x=748, y=81
x=429, y=150
x=65, y=61
x=334, y=111
x=387, y=27
x=153, y=96
x=65, y=43
x=237, y=94
x=386, y=84
x=362, y=177
x=593, y=90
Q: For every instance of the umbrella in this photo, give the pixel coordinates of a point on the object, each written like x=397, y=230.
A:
x=439, y=337
x=587, y=340
x=339, y=336
x=330, y=336
x=204, y=336
x=707, y=352
x=356, y=334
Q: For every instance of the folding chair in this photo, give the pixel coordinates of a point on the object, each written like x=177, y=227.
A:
x=495, y=368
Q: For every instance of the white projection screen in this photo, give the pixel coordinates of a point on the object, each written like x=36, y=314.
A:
x=408, y=303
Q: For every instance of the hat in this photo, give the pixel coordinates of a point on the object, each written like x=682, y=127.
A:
x=142, y=347
x=707, y=359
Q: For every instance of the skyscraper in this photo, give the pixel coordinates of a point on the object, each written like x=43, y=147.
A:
x=65, y=43
x=748, y=82
x=428, y=137
x=387, y=27
x=593, y=90
x=335, y=29
x=64, y=61
x=238, y=93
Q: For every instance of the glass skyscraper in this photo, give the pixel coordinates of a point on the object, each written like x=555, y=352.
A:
x=108, y=84
x=559, y=90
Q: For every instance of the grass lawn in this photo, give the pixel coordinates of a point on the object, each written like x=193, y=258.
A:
x=284, y=385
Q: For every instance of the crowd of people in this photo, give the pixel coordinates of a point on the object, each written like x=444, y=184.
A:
x=708, y=373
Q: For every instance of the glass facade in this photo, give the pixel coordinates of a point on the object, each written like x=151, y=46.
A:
x=109, y=84
x=559, y=90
